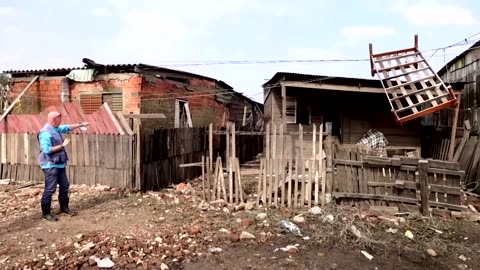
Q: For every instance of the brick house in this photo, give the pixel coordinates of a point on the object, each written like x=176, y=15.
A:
x=184, y=98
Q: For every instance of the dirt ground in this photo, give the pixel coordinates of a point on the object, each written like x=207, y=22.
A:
x=174, y=230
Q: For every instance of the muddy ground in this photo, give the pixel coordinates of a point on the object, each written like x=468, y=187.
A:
x=134, y=230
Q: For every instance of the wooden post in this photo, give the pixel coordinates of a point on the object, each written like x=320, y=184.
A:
x=329, y=165
x=210, y=145
x=451, y=150
x=244, y=116
x=320, y=162
x=138, y=159
x=314, y=173
x=424, y=193
x=203, y=177
x=209, y=179
x=302, y=165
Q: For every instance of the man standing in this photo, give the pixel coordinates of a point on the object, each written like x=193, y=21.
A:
x=53, y=159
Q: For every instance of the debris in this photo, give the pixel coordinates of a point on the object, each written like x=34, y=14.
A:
x=291, y=249
x=4, y=181
x=328, y=218
x=163, y=267
x=298, y=219
x=261, y=216
x=4, y=260
x=409, y=234
x=437, y=231
x=462, y=257
x=105, y=263
x=203, y=205
x=366, y=254
x=215, y=250
x=249, y=206
x=194, y=230
x=315, y=210
x=472, y=208
x=289, y=227
x=462, y=266
x=431, y=252
x=355, y=231
x=247, y=222
x=306, y=238
x=223, y=230
x=246, y=235
x=239, y=207
x=392, y=230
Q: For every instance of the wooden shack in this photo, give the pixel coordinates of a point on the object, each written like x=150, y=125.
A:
x=347, y=108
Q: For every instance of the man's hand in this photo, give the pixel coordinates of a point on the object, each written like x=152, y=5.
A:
x=66, y=142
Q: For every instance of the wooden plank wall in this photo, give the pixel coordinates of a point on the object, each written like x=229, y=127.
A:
x=164, y=150
x=93, y=159
x=361, y=179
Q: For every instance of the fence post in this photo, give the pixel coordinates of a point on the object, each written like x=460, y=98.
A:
x=423, y=177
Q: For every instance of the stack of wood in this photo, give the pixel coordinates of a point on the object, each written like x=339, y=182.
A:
x=467, y=153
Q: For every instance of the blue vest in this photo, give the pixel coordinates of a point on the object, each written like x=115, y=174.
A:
x=59, y=157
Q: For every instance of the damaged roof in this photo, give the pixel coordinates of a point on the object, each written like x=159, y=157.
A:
x=337, y=80
x=113, y=68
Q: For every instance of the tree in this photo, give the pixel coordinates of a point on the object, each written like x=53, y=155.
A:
x=5, y=83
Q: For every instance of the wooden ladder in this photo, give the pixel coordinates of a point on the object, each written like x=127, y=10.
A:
x=412, y=87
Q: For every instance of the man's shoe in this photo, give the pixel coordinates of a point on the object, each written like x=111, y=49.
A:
x=64, y=209
x=49, y=217
x=46, y=214
x=68, y=211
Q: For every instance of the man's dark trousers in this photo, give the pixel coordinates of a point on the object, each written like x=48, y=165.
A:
x=54, y=176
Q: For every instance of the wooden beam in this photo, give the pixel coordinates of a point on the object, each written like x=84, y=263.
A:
x=334, y=87
x=451, y=150
x=7, y=111
x=124, y=123
x=194, y=164
x=145, y=116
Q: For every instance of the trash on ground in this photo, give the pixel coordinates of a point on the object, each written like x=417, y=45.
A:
x=409, y=234
x=290, y=227
x=366, y=254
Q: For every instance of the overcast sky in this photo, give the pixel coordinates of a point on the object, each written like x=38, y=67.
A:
x=54, y=34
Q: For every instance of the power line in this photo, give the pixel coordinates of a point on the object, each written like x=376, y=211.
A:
x=281, y=61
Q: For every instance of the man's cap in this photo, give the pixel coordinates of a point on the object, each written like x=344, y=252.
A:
x=52, y=115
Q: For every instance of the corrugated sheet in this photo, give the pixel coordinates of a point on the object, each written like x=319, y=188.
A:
x=102, y=121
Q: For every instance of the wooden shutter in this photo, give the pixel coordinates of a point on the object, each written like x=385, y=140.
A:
x=90, y=103
x=114, y=100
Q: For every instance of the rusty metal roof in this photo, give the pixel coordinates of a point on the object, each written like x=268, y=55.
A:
x=103, y=121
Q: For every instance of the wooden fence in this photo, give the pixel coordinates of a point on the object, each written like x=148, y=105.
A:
x=293, y=180
x=397, y=181
x=163, y=151
x=93, y=159
x=248, y=144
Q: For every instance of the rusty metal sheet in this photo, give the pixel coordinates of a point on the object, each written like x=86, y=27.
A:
x=101, y=121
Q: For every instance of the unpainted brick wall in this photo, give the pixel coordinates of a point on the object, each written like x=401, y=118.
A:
x=159, y=95
x=46, y=91
x=129, y=84
x=43, y=93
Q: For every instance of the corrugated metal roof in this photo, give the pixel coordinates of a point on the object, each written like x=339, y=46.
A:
x=111, y=68
x=102, y=121
x=289, y=76
x=337, y=80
